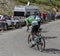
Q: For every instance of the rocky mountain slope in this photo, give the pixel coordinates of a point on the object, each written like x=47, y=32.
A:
x=6, y=6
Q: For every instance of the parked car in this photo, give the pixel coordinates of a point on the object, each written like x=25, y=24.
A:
x=15, y=22
x=21, y=21
x=6, y=22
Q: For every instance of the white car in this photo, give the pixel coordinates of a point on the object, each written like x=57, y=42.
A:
x=21, y=20
x=6, y=22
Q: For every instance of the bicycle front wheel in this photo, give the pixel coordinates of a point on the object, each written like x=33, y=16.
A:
x=29, y=41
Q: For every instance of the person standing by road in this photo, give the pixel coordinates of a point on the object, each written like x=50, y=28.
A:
x=53, y=14
x=44, y=16
x=49, y=16
x=2, y=24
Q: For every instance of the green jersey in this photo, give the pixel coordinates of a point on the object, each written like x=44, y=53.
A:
x=29, y=20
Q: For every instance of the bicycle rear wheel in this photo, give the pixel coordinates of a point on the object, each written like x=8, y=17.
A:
x=41, y=45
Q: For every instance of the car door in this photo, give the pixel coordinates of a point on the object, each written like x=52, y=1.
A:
x=8, y=20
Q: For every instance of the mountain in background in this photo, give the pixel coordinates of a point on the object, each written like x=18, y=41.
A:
x=6, y=6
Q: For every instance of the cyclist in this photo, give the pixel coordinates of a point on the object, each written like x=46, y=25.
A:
x=38, y=18
x=32, y=18
x=29, y=21
x=35, y=22
x=35, y=27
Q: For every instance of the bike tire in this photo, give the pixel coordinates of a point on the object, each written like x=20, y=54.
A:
x=42, y=44
x=29, y=42
x=28, y=39
x=38, y=47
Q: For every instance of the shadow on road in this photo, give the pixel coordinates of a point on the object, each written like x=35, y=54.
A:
x=48, y=37
x=44, y=31
x=52, y=50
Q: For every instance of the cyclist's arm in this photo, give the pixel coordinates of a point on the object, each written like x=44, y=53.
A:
x=26, y=20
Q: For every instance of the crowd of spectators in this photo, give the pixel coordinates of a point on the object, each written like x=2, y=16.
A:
x=49, y=15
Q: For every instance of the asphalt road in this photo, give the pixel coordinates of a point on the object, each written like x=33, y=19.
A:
x=14, y=42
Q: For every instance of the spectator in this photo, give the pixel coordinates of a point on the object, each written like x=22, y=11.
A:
x=2, y=24
x=49, y=16
x=44, y=16
x=53, y=13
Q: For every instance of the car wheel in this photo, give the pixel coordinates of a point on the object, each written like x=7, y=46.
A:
x=6, y=27
x=17, y=25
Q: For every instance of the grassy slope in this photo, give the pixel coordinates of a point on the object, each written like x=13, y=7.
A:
x=54, y=2
x=43, y=4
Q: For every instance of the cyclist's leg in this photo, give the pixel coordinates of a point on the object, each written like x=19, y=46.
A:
x=39, y=23
x=27, y=24
x=27, y=27
x=31, y=33
x=33, y=30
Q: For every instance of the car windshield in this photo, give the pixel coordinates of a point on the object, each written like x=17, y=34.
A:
x=6, y=17
x=16, y=18
x=32, y=16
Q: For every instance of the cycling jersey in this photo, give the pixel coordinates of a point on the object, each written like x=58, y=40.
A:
x=33, y=20
x=34, y=23
x=29, y=20
x=37, y=18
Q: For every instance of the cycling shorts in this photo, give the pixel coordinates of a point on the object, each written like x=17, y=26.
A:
x=35, y=29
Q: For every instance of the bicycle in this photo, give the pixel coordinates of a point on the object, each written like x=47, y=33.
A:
x=38, y=40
